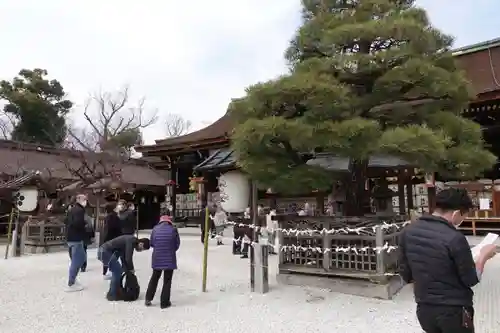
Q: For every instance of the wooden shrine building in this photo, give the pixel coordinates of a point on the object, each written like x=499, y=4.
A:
x=142, y=183
x=208, y=152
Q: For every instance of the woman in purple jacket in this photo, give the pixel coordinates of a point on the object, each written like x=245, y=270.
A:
x=165, y=242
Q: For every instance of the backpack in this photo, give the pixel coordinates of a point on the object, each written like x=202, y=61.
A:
x=129, y=286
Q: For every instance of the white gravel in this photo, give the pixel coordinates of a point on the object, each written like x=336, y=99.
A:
x=33, y=301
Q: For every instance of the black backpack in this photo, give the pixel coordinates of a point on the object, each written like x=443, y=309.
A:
x=130, y=288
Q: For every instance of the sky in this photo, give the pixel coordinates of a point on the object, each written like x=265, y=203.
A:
x=184, y=57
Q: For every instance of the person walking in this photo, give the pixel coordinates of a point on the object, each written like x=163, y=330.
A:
x=437, y=259
x=219, y=221
x=111, y=229
x=165, y=242
x=76, y=234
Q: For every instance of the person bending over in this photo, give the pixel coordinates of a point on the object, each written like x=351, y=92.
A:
x=437, y=259
x=109, y=252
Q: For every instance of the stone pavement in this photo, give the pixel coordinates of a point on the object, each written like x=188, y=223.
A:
x=33, y=300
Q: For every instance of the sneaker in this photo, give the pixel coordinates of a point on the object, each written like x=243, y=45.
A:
x=75, y=287
x=107, y=277
x=147, y=303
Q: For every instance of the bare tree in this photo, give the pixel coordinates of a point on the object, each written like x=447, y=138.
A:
x=114, y=122
x=176, y=125
x=7, y=124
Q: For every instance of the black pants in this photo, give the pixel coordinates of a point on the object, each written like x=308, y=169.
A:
x=84, y=266
x=445, y=319
x=165, y=290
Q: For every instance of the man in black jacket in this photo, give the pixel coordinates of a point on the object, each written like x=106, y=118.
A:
x=128, y=217
x=76, y=234
x=109, y=252
x=437, y=259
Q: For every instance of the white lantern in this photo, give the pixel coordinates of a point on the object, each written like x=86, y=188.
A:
x=234, y=192
x=26, y=199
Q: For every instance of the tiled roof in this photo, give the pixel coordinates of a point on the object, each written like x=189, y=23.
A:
x=343, y=164
x=221, y=159
x=53, y=162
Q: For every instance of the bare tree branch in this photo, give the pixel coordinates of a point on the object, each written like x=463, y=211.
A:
x=7, y=124
x=176, y=125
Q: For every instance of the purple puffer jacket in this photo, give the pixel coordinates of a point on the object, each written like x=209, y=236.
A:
x=165, y=242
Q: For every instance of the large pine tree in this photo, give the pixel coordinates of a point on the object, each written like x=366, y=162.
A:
x=367, y=77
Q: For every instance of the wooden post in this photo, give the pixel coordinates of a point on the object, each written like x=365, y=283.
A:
x=264, y=251
x=327, y=256
x=255, y=222
x=401, y=192
x=9, y=233
x=205, y=251
x=379, y=242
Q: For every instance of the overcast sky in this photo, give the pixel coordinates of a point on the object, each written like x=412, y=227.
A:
x=187, y=57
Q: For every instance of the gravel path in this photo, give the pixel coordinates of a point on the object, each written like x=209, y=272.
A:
x=33, y=301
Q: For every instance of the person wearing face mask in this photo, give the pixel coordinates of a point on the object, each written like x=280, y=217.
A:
x=76, y=234
x=437, y=259
x=127, y=216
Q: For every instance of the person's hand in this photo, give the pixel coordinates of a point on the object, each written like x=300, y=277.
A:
x=488, y=251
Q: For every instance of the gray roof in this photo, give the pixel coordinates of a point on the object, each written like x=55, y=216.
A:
x=221, y=159
x=343, y=164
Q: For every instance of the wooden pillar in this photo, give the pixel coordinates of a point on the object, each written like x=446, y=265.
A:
x=174, y=177
x=401, y=192
x=409, y=192
x=320, y=203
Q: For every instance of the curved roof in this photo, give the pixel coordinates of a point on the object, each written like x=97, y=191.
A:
x=218, y=131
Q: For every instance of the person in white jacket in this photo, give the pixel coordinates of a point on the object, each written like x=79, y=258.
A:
x=271, y=229
x=220, y=221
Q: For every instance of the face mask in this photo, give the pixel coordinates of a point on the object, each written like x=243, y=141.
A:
x=84, y=203
x=131, y=208
x=119, y=208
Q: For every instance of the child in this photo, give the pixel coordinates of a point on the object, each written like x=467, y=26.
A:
x=165, y=242
x=109, y=252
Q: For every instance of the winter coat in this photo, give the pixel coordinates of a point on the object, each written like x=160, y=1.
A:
x=436, y=257
x=75, y=224
x=165, y=242
x=112, y=228
x=129, y=222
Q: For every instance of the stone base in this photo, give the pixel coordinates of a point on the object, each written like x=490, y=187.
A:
x=356, y=287
x=34, y=249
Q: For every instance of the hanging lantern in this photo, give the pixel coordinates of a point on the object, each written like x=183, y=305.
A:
x=170, y=188
x=235, y=189
x=269, y=191
x=143, y=200
x=155, y=199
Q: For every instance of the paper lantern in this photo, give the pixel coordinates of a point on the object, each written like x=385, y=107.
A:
x=234, y=191
x=26, y=199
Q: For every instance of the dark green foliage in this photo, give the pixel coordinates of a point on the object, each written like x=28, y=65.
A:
x=38, y=106
x=366, y=77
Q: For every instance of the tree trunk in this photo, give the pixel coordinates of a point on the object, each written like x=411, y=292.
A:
x=355, y=192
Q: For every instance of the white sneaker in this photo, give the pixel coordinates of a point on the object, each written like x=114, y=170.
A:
x=107, y=277
x=75, y=287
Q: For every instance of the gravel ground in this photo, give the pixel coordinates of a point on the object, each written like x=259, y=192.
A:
x=33, y=300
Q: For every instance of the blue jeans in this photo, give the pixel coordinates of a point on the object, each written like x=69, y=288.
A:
x=110, y=259
x=78, y=258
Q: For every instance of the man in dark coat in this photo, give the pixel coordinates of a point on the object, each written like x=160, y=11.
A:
x=111, y=229
x=128, y=217
x=437, y=259
x=76, y=234
x=165, y=242
x=124, y=247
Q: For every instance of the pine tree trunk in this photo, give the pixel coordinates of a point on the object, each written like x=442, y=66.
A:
x=355, y=192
